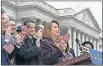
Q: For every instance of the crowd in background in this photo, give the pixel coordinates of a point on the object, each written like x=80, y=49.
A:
x=31, y=44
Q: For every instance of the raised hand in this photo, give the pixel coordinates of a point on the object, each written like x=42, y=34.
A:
x=18, y=39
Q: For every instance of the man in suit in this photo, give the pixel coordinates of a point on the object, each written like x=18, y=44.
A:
x=27, y=53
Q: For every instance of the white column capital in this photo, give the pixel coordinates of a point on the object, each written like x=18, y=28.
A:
x=74, y=29
x=78, y=31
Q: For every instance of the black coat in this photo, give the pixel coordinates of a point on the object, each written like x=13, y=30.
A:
x=50, y=54
x=72, y=52
x=28, y=53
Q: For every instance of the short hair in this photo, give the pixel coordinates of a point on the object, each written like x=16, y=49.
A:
x=27, y=22
x=47, y=28
x=54, y=21
x=12, y=22
x=41, y=26
x=87, y=42
x=37, y=27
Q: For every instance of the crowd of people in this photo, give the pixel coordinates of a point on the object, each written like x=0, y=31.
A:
x=31, y=44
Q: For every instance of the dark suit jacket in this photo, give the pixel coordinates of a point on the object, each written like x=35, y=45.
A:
x=49, y=52
x=72, y=52
x=28, y=53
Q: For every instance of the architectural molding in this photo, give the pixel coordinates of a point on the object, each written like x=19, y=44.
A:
x=8, y=3
x=55, y=14
x=86, y=25
x=93, y=19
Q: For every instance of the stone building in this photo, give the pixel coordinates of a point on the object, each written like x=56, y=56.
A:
x=81, y=25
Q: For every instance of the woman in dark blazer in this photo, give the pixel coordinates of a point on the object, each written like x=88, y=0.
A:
x=51, y=49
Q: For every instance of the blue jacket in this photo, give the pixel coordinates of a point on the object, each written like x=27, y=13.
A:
x=4, y=54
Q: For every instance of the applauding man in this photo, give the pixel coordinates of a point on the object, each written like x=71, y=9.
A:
x=27, y=53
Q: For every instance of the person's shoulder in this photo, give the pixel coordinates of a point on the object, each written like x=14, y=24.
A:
x=72, y=52
x=34, y=38
x=71, y=49
x=46, y=42
x=69, y=53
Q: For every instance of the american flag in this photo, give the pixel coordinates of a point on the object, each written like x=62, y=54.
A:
x=9, y=48
x=66, y=37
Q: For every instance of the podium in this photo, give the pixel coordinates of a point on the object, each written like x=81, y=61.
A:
x=80, y=60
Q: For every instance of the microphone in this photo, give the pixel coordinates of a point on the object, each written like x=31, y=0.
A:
x=78, y=42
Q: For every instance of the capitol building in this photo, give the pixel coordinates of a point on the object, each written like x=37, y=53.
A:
x=81, y=24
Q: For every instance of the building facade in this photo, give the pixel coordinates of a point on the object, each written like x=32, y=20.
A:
x=81, y=25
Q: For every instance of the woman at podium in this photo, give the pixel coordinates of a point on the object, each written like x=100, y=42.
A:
x=53, y=50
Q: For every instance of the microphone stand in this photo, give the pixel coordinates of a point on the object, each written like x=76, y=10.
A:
x=81, y=47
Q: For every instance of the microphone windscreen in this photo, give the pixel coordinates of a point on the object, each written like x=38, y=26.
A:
x=77, y=40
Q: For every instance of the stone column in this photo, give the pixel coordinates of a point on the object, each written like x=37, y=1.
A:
x=91, y=39
x=70, y=41
x=83, y=37
x=86, y=37
x=78, y=37
x=81, y=40
x=74, y=42
x=94, y=43
x=98, y=44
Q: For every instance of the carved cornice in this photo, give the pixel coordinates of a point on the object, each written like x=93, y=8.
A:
x=95, y=22
x=55, y=14
x=9, y=4
x=86, y=25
